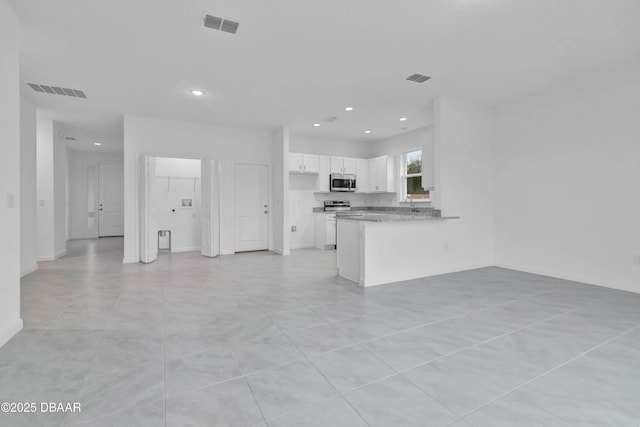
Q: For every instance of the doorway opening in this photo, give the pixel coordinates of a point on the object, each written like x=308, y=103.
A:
x=178, y=206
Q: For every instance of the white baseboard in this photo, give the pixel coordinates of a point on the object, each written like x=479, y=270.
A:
x=178, y=250
x=29, y=270
x=130, y=260
x=542, y=272
x=45, y=258
x=281, y=252
x=7, y=334
x=301, y=246
x=227, y=252
x=60, y=254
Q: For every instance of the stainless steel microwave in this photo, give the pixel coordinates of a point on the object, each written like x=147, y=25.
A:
x=342, y=182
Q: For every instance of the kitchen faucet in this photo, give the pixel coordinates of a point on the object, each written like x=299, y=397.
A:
x=411, y=208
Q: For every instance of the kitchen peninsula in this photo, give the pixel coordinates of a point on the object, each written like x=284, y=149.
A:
x=374, y=248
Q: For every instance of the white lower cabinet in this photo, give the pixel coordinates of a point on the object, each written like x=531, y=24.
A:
x=324, y=230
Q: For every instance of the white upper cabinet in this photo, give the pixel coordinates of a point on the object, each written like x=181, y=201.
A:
x=349, y=165
x=382, y=175
x=311, y=163
x=344, y=165
x=304, y=163
x=428, y=161
x=362, y=176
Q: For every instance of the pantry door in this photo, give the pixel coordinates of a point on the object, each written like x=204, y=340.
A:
x=251, y=207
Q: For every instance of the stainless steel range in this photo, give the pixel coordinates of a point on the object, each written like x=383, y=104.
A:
x=337, y=205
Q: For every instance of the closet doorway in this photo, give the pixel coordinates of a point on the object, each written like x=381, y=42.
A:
x=179, y=198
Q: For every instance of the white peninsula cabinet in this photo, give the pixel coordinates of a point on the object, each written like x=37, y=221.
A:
x=382, y=178
x=304, y=163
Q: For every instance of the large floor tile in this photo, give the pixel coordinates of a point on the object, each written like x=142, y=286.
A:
x=288, y=387
x=199, y=370
x=350, y=367
x=266, y=352
x=456, y=386
x=335, y=412
x=397, y=402
x=114, y=392
x=319, y=339
x=226, y=404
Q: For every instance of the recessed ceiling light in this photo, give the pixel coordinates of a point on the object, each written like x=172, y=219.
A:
x=367, y=131
x=402, y=119
x=316, y=124
x=197, y=92
x=97, y=143
x=348, y=108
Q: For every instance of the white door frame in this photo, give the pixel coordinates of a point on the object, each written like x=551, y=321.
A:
x=269, y=198
x=217, y=241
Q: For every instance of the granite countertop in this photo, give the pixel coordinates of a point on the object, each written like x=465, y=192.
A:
x=386, y=216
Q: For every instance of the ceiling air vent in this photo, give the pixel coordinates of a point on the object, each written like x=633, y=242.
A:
x=331, y=119
x=221, y=24
x=418, y=78
x=55, y=90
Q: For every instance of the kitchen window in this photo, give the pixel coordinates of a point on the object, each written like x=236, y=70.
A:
x=412, y=177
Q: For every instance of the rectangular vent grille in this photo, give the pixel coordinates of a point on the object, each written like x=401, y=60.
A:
x=55, y=90
x=69, y=138
x=221, y=24
x=418, y=78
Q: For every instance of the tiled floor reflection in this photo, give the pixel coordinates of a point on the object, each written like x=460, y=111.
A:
x=259, y=339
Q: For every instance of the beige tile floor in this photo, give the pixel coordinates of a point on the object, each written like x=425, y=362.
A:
x=259, y=339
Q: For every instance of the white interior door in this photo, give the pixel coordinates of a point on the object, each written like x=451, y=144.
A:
x=111, y=200
x=210, y=208
x=148, y=215
x=252, y=207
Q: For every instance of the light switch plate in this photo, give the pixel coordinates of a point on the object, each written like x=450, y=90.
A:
x=11, y=200
x=41, y=202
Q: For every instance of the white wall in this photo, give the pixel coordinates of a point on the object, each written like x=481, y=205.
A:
x=45, y=214
x=329, y=147
x=168, y=138
x=177, y=179
x=463, y=139
x=567, y=182
x=79, y=162
x=397, y=146
x=59, y=194
x=51, y=161
x=281, y=197
x=10, y=322
x=28, y=189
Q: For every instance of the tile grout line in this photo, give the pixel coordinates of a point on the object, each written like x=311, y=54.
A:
x=553, y=369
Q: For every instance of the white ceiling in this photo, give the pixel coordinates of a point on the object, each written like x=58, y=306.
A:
x=88, y=128
x=296, y=62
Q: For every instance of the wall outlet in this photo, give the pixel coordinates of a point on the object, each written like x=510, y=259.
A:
x=294, y=228
x=636, y=260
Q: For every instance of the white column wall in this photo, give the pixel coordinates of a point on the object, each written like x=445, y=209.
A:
x=10, y=322
x=28, y=187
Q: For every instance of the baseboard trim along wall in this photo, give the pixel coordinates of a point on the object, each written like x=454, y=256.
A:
x=5, y=336
x=29, y=270
x=192, y=249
